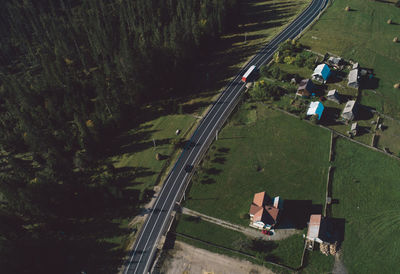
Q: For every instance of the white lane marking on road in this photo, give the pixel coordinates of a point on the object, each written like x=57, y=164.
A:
x=184, y=178
x=182, y=169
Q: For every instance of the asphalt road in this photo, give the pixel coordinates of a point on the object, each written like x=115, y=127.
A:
x=141, y=256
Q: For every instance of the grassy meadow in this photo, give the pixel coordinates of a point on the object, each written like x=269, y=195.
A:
x=366, y=186
x=261, y=150
x=363, y=35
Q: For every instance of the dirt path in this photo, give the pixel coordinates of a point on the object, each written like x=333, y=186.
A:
x=187, y=259
x=279, y=234
x=338, y=267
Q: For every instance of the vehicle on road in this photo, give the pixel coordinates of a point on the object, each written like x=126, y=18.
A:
x=250, y=74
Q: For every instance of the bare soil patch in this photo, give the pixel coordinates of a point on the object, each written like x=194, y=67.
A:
x=187, y=259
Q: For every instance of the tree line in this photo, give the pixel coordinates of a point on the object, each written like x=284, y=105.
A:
x=71, y=73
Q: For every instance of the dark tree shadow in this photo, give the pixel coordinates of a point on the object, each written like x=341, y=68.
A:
x=369, y=83
x=364, y=113
x=259, y=245
x=207, y=181
x=343, y=98
x=219, y=160
x=336, y=76
x=212, y=171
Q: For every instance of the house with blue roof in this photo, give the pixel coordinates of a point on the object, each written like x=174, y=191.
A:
x=321, y=73
x=316, y=108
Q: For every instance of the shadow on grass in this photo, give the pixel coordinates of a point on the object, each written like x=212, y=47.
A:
x=296, y=213
x=364, y=113
x=330, y=116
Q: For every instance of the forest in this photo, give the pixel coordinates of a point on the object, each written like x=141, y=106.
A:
x=73, y=73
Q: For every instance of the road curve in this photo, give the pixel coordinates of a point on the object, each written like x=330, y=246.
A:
x=141, y=257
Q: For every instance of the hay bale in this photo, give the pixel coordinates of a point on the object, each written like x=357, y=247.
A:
x=389, y=21
x=397, y=85
x=347, y=8
x=395, y=40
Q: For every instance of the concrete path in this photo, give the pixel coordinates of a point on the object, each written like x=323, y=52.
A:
x=279, y=234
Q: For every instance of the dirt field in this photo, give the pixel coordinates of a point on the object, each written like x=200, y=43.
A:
x=187, y=259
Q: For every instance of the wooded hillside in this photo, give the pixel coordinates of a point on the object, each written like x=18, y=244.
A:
x=71, y=73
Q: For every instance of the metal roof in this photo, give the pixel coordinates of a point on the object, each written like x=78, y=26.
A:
x=349, y=106
x=313, y=226
x=332, y=92
x=323, y=70
x=316, y=108
x=353, y=76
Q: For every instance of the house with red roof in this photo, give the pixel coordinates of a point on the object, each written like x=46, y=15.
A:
x=262, y=213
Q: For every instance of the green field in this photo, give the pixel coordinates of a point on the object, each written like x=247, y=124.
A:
x=363, y=35
x=287, y=252
x=139, y=152
x=366, y=184
x=316, y=262
x=390, y=136
x=261, y=150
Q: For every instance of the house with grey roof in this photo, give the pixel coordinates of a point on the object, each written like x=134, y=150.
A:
x=350, y=110
x=354, y=78
x=333, y=96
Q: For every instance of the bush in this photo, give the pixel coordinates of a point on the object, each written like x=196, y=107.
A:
x=263, y=90
x=264, y=71
x=278, y=57
x=284, y=76
x=314, y=119
x=244, y=216
x=292, y=89
x=302, y=58
x=303, y=116
x=310, y=63
x=397, y=4
x=289, y=60
x=275, y=72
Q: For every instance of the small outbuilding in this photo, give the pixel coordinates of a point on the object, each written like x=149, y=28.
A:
x=354, y=129
x=354, y=78
x=333, y=95
x=316, y=108
x=321, y=73
x=335, y=61
x=306, y=88
x=350, y=110
x=314, y=228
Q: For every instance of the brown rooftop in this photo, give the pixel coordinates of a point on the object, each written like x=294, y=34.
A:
x=259, y=198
